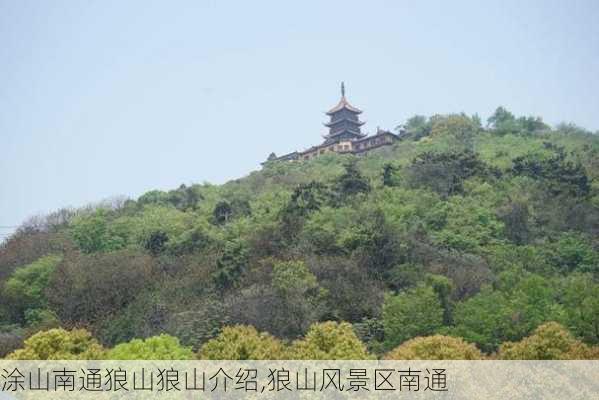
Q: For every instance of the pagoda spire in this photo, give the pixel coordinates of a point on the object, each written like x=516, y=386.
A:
x=344, y=123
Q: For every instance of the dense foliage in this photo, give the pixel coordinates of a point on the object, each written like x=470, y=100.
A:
x=59, y=344
x=437, y=347
x=163, y=347
x=460, y=238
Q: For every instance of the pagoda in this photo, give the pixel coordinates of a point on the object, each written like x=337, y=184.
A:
x=344, y=137
x=344, y=123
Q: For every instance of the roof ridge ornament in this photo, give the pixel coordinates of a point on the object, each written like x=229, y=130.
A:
x=343, y=103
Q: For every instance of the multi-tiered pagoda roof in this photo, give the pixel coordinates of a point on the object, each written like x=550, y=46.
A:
x=345, y=123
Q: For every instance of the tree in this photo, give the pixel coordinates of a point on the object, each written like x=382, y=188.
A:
x=559, y=174
x=389, y=175
x=404, y=276
x=550, y=341
x=153, y=197
x=411, y=313
x=459, y=126
x=532, y=124
x=515, y=217
x=352, y=294
x=162, y=347
x=443, y=287
x=462, y=223
x=435, y=347
x=198, y=323
x=284, y=305
x=231, y=264
x=23, y=249
x=351, y=182
x=25, y=289
x=329, y=341
x=375, y=244
x=502, y=121
x=416, y=127
x=90, y=288
x=185, y=197
x=243, y=343
x=156, y=242
x=94, y=233
x=330, y=231
x=222, y=212
x=195, y=239
x=468, y=272
x=38, y=319
x=520, y=303
x=156, y=226
x=486, y=319
x=258, y=305
x=569, y=128
x=299, y=297
x=533, y=300
x=226, y=210
x=305, y=200
x=446, y=172
x=59, y=344
x=11, y=338
x=581, y=305
x=371, y=332
x=572, y=252
x=241, y=207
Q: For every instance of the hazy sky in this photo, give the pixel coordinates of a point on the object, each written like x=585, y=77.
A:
x=102, y=98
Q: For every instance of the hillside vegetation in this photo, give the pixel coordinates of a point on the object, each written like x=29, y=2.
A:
x=460, y=241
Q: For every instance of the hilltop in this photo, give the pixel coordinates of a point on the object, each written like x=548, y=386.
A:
x=479, y=231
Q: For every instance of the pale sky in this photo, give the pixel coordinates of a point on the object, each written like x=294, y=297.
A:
x=105, y=98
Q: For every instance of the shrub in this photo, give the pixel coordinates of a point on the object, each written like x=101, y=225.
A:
x=437, y=347
x=411, y=313
x=550, y=341
x=163, y=347
x=60, y=344
x=242, y=342
x=329, y=341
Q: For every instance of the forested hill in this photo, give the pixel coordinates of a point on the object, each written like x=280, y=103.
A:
x=486, y=233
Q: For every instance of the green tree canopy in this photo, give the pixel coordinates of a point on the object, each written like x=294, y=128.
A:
x=60, y=344
x=550, y=341
x=351, y=182
x=231, y=264
x=94, y=232
x=243, y=343
x=437, y=347
x=162, y=347
x=329, y=341
x=411, y=313
x=581, y=306
x=25, y=288
x=299, y=296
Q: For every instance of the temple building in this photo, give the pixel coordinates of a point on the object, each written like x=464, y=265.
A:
x=344, y=135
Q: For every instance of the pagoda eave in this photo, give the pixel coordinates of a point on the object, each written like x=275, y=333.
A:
x=331, y=124
x=346, y=106
x=355, y=133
